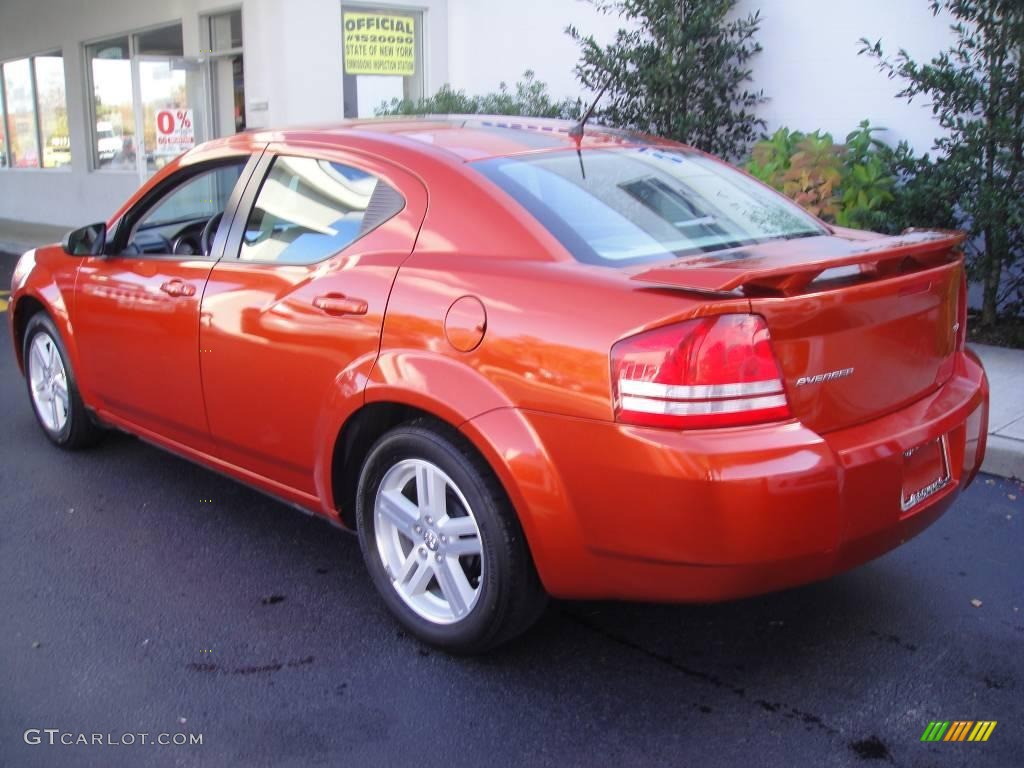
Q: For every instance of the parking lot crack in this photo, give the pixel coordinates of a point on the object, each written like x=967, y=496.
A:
x=777, y=708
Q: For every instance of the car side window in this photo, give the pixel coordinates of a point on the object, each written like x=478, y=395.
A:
x=176, y=222
x=308, y=210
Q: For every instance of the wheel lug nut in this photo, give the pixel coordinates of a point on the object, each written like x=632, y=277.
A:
x=418, y=529
x=423, y=551
x=444, y=539
x=430, y=520
x=438, y=557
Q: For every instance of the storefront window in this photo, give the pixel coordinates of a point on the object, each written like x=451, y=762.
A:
x=53, y=110
x=20, y=114
x=171, y=91
x=112, y=104
x=115, y=144
x=383, y=58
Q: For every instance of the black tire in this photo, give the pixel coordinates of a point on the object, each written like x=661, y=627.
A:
x=79, y=430
x=511, y=597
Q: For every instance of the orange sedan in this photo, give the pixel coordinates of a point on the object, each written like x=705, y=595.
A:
x=519, y=360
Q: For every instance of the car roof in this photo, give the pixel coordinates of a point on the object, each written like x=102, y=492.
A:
x=466, y=137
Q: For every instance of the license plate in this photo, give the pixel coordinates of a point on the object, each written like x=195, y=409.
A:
x=925, y=472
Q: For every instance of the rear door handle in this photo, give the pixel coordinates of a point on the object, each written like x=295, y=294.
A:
x=178, y=288
x=337, y=304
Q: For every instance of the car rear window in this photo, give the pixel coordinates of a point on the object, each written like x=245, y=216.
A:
x=633, y=205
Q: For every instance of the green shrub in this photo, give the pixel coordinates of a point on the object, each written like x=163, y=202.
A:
x=680, y=69
x=863, y=183
x=769, y=159
x=868, y=179
x=975, y=88
x=529, y=98
x=814, y=174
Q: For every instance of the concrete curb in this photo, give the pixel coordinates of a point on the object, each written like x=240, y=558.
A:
x=1005, y=369
x=10, y=246
x=19, y=236
x=1004, y=457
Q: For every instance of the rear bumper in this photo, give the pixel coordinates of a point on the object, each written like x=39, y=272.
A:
x=615, y=511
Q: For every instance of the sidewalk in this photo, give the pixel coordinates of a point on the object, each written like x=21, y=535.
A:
x=1005, y=367
x=19, y=236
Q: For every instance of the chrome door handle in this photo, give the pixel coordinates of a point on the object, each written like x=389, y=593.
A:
x=337, y=304
x=178, y=288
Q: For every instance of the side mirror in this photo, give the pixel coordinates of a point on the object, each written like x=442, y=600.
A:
x=86, y=241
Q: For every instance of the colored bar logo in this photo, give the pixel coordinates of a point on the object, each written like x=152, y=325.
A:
x=958, y=730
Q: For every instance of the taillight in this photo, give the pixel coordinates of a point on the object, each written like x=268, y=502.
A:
x=709, y=372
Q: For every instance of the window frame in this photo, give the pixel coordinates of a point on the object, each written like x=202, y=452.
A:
x=5, y=159
x=90, y=85
x=7, y=165
x=207, y=50
x=233, y=247
x=123, y=228
x=206, y=38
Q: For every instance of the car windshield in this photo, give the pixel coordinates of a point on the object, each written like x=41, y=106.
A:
x=639, y=204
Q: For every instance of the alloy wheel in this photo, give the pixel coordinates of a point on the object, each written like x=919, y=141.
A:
x=48, y=382
x=428, y=540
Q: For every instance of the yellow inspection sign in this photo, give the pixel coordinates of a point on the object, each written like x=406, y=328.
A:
x=4, y=300
x=379, y=44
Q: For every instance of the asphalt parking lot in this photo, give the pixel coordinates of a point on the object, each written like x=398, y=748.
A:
x=142, y=594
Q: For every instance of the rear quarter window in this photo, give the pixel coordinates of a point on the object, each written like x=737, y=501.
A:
x=307, y=210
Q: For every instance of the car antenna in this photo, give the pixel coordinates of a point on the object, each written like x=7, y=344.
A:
x=577, y=130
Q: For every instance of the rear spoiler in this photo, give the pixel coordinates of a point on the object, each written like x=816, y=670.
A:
x=787, y=267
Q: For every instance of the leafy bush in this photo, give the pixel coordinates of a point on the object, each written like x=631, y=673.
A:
x=769, y=159
x=868, y=179
x=976, y=91
x=680, y=69
x=806, y=167
x=863, y=183
x=530, y=98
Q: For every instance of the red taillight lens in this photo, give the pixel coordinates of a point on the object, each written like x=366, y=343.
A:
x=709, y=372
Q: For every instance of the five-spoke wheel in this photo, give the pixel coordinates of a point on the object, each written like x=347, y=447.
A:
x=48, y=382
x=442, y=542
x=428, y=541
x=52, y=387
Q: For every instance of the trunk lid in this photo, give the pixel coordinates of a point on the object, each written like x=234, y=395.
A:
x=861, y=324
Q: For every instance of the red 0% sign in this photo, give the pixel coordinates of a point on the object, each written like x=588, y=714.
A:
x=175, y=132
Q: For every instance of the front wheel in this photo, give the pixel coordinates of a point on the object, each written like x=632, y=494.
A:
x=442, y=542
x=52, y=387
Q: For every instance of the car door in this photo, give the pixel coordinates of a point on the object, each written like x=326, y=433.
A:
x=299, y=299
x=136, y=313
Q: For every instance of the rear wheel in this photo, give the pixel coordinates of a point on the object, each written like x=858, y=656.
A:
x=442, y=543
x=52, y=387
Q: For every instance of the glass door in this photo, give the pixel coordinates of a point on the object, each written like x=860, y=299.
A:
x=172, y=108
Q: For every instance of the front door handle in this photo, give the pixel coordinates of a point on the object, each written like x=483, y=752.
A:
x=178, y=288
x=338, y=304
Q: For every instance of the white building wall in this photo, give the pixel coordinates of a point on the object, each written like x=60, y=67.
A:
x=293, y=67
x=494, y=41
x=809, y=68
x=814, y=77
